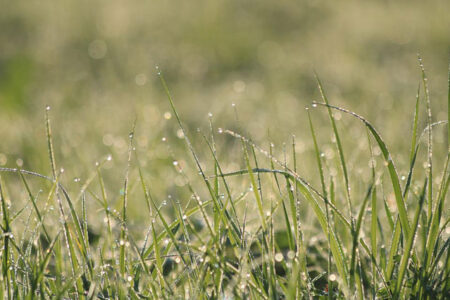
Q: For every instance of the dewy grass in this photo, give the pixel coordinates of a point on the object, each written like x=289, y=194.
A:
x=260, y=231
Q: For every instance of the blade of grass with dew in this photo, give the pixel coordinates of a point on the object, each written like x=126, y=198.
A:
x=433, y=232
x=167, y=228
x=414, y=146
x=377, y=267
x=354, y=257
x=340, y=151
x=69, y=243
x=409, y=245
x=38, y=214
x=324, y=191
x=432, y=237
x=216, y=179
x=429, y=142
x=395, y=241
x=6, y=239
x=234, y=222
x=185, y=233
x=374, y=217
x=159, y=267
x=254, y=187
x=335, y=246
x=401, y=206
x=123, y=232
x=40, y=275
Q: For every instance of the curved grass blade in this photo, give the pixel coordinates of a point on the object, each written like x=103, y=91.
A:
x=401, y=205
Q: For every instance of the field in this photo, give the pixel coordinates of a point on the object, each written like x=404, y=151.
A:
x=224, y=150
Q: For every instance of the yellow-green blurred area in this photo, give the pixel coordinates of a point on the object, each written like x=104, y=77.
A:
x=94, y=63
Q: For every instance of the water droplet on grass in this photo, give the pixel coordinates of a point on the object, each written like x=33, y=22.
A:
x=167, y=115
x=278, y=257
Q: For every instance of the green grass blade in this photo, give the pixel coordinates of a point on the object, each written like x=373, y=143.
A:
x=254, y=187
x=429, y=142
x=336, y=249
x=123, y=231
x=408, y=246
x=401, y=206
x=340, y=150
x=439, y=206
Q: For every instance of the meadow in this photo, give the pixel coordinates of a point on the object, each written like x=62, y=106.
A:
x=224, y=150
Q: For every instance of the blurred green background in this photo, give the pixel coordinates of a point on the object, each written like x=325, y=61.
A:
x=94, y=63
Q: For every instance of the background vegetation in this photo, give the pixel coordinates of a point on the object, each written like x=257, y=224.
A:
x=245, y=66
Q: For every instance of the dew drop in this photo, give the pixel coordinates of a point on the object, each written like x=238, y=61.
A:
x=109, y=158
x=314, y=105
x=47, y=108
x=220, y=130
x=278, y=257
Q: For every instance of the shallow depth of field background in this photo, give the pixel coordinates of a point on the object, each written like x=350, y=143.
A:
x=94, y=63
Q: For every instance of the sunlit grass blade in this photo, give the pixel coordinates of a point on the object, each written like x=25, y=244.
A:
x=429, y=141
x=401, y=206
x=408, y=246
x=340, y=150
x=123, y=233
x=353, y=258
x=6, y=239
x=324, y=191
x=254, y=187
x=40, y=274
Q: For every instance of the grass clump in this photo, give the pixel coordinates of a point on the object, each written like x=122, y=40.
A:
x=259, y=232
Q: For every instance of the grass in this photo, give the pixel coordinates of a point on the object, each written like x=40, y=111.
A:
x=262, y=231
